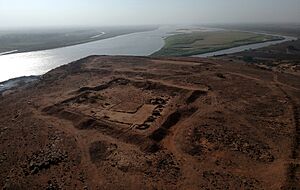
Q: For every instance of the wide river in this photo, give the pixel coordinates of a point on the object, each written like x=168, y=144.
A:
x=138, y=44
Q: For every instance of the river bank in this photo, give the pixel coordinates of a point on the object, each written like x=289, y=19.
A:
x=136, y=44
x=196, y=42
x=17, y=82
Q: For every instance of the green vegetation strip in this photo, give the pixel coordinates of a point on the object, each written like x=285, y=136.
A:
x=195, y=43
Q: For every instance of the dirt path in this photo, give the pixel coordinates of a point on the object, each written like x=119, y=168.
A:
x=187, y=161
x=293, y=168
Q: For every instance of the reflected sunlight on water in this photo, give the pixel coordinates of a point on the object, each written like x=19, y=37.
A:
x=24, y=64
x=136, y=44
x=39, y=62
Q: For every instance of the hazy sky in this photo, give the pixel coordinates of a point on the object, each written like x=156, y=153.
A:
x=136, y=12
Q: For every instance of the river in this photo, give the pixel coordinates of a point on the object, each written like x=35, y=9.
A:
x=246, y=47
x=136, y=44
x=39, y=62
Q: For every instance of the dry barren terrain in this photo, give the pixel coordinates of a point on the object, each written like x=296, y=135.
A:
x=143, y=123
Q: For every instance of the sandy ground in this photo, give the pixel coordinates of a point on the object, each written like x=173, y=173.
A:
x=142, y=123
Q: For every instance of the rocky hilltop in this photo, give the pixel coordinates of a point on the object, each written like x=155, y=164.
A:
x=113, y=122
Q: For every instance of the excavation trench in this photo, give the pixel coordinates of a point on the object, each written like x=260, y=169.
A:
x=159, y=134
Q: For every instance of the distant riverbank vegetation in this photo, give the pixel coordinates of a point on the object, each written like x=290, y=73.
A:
x=14, y=41
x=197, y=42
